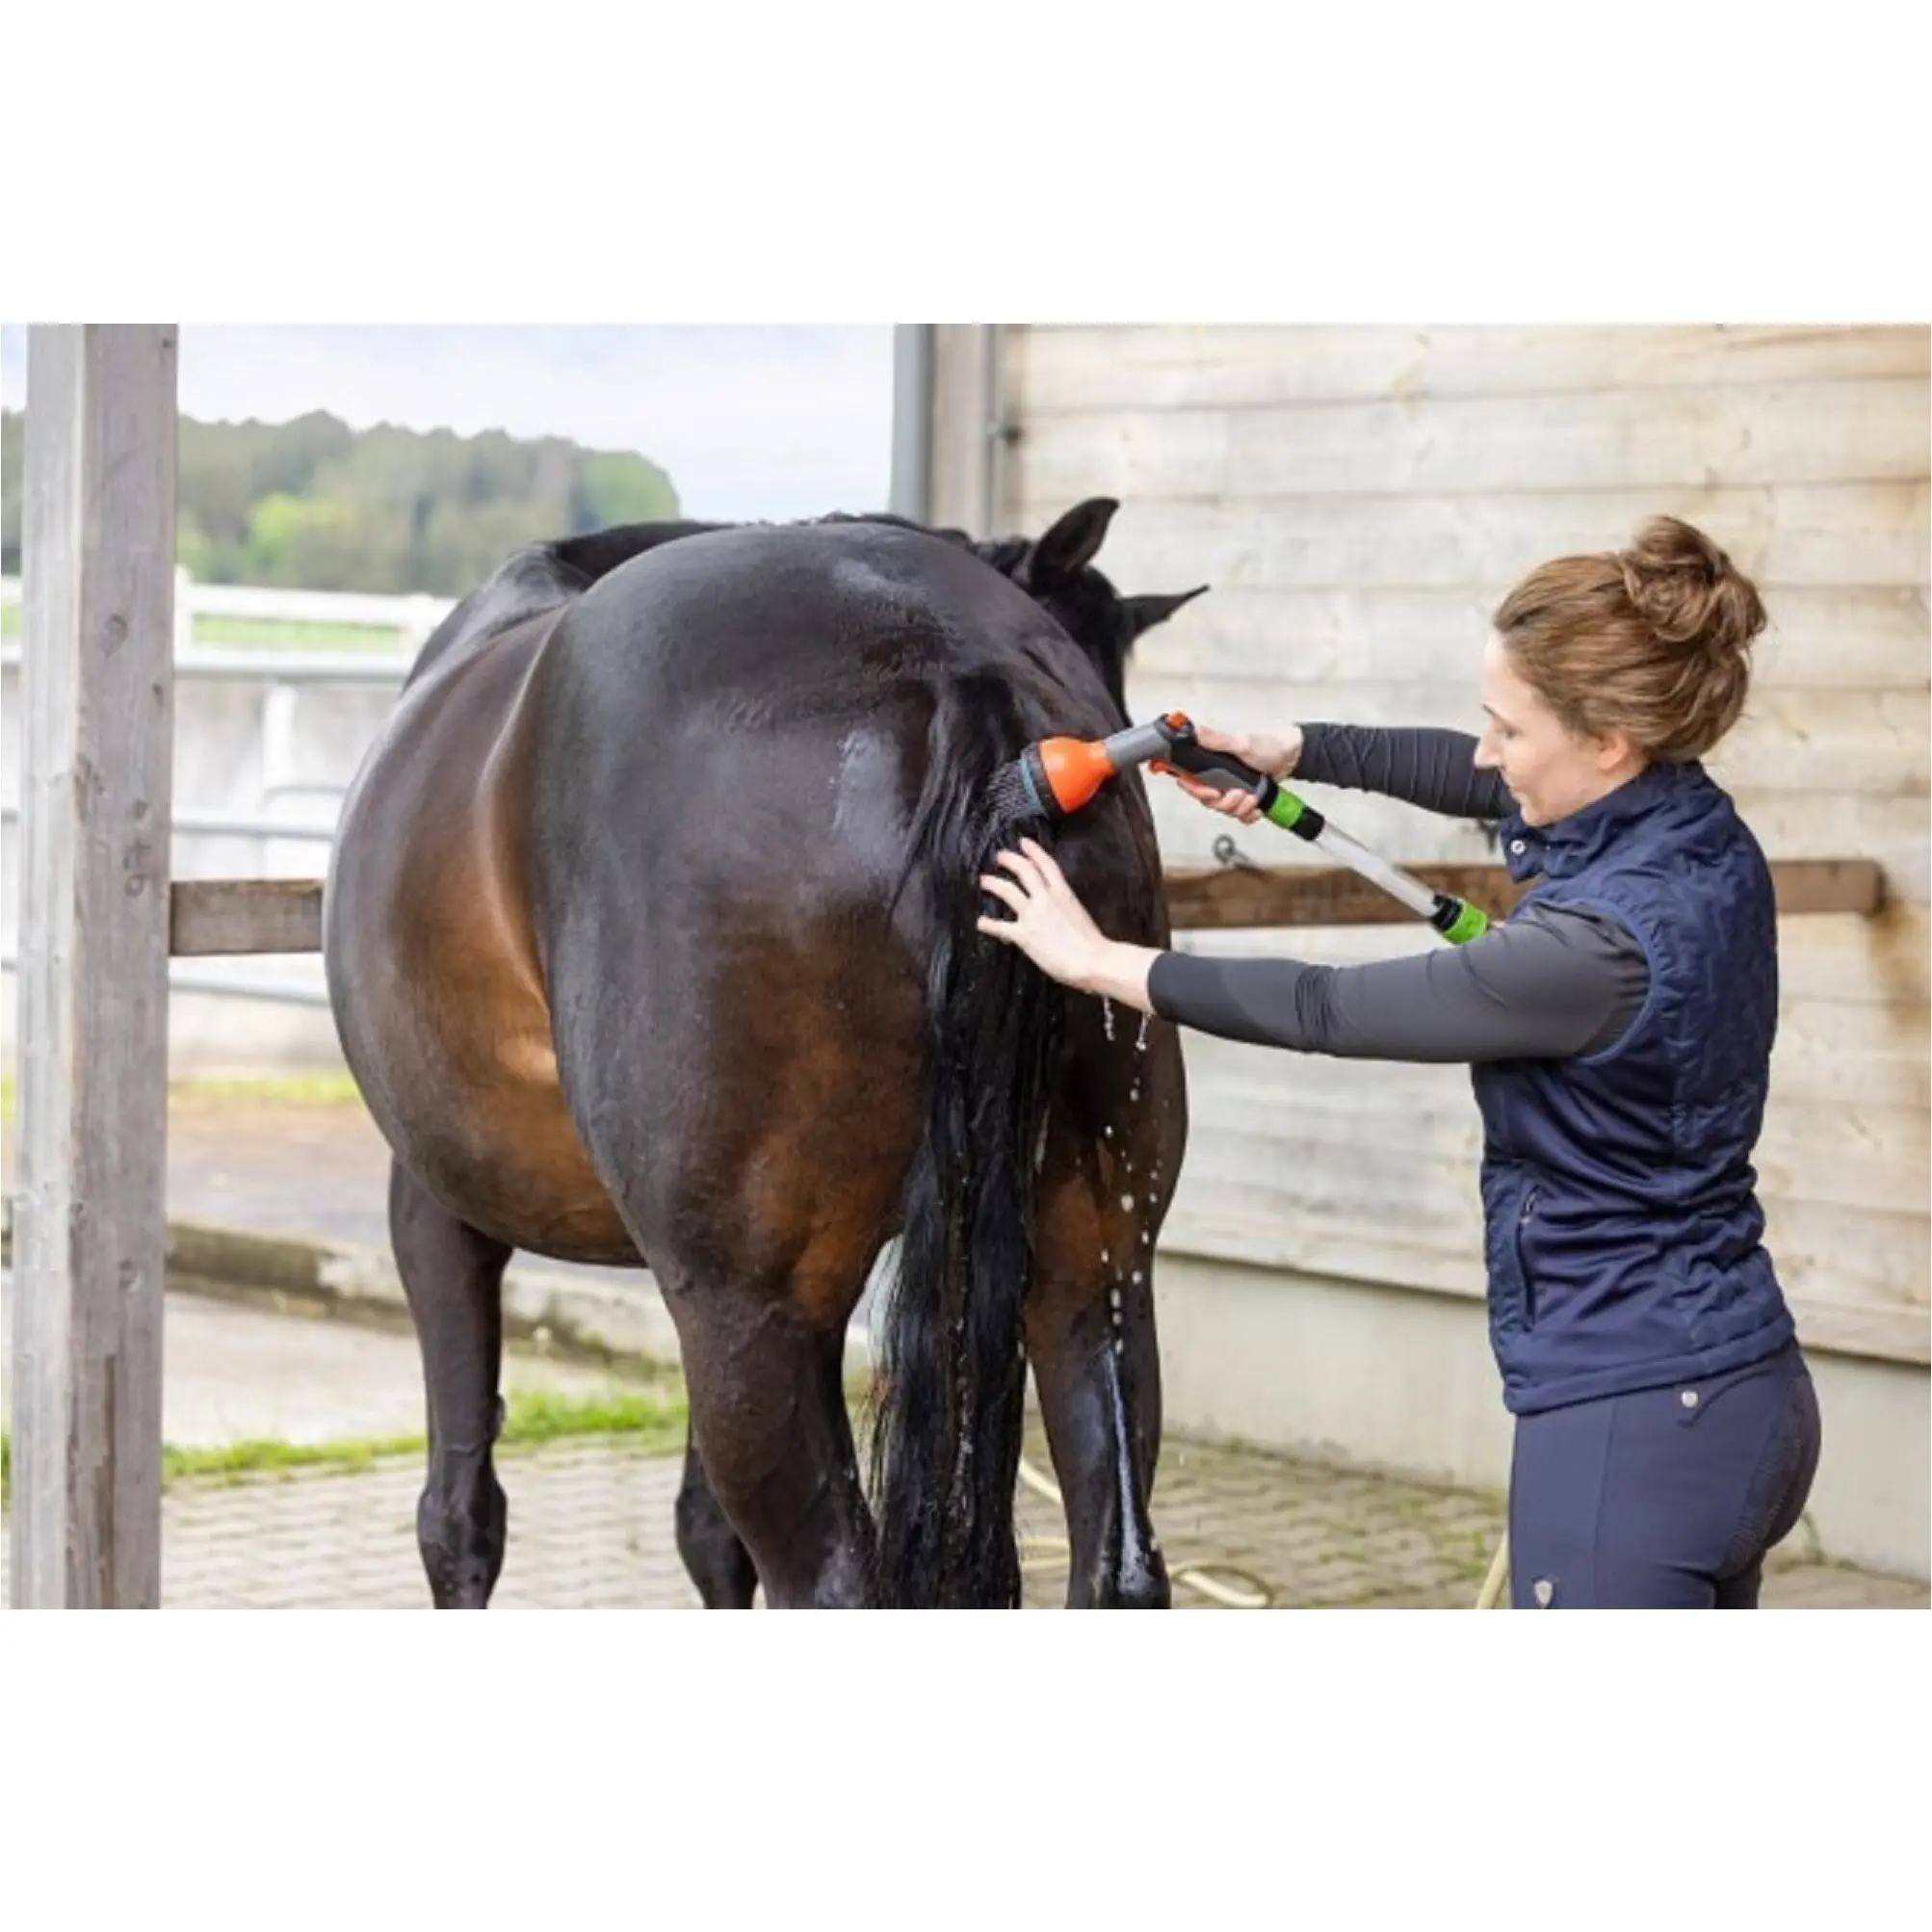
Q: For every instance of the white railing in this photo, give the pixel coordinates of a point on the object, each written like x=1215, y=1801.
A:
x=411, y=618
x=276, y=665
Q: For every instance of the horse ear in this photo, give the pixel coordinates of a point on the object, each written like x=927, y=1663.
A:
x=1071, y=544
x=1144, y=613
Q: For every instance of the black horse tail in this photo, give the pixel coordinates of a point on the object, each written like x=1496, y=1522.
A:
x=948, y=1399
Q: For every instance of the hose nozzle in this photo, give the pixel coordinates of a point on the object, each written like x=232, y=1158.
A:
x=1054, y=777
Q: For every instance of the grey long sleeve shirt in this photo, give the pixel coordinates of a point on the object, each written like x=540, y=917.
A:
x=1551, y=982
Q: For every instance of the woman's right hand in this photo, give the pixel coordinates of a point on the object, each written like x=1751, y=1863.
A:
x=1266, y=751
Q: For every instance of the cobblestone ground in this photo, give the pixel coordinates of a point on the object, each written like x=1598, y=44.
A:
x=590, y=1520
x=590, y=1527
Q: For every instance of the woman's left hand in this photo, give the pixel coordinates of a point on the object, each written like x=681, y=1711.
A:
x=1050, y=925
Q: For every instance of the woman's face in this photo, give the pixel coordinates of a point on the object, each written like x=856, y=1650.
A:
x=1549, y=769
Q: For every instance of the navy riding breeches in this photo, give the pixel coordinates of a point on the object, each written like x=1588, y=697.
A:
x=1667, y=1499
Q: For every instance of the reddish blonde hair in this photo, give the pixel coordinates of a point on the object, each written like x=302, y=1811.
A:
x=1652, y=642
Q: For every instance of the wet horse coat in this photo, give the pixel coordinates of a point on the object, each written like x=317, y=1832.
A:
x=648, y=937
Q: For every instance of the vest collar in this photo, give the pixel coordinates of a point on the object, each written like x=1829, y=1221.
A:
x=1565, y=848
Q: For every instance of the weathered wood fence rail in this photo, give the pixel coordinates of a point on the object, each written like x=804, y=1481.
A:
x=278, y=915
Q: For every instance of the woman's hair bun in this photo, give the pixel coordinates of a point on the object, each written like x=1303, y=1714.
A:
x=1689, y=591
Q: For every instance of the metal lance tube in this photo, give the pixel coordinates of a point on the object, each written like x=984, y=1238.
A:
x=1055, y=778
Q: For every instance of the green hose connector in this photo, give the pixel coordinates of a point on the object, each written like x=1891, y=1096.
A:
x=1465, y=921
x=1285, y=809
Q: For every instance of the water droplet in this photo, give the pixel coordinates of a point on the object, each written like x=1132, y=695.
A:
x=1134, y=1092
x=1136, y=1277
x=1119, y=1346
x=1114, y=1295
x=1109, y=1131
x=1106, y=1016
x=1104, y=1256
x=1141, y=1045
x=1127, y=1203
x=1145, y=1237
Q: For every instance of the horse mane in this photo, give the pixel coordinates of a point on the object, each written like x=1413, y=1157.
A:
x=1003, y=553
x=540, y=576
x=596, y=552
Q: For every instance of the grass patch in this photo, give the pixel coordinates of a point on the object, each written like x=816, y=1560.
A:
x=322, y=1089
x=282, y=635
x=248, y=634
x=653, y=1417
x=232, y=1462
x=326, y=1088
x=650, y=1422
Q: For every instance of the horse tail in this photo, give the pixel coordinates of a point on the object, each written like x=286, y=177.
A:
x=948, y=1399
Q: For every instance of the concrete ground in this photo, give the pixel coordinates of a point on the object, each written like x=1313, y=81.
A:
x=590, y=1518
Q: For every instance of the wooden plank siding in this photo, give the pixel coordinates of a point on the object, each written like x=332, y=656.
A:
x=1359, y=500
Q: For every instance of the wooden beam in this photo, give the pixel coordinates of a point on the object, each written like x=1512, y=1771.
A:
x=1225, y=898
x=97, y=680
x=1222, y=897
x=1828, y=885
x=231, y=916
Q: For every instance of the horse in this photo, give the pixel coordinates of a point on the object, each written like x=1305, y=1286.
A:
x=649, y=937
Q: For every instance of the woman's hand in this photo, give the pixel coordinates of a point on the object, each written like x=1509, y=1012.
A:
x=1050, y=925
x=1277, y=756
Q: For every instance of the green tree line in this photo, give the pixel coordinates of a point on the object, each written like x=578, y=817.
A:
x=316, y=506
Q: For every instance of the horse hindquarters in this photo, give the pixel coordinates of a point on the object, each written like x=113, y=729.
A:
x=742, y=1087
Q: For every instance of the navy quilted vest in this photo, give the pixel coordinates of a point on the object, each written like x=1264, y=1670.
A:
x=1623, y=1230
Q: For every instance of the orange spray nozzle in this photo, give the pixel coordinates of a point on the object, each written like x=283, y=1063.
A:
x=1054, y=777
x=1074, y=768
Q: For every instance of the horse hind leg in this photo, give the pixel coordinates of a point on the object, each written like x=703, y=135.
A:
x=452, y=1277
x=714, y=1554
x=769, y=1424
x=1090, y=1335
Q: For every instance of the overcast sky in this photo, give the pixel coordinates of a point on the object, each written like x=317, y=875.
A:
x=754, y=421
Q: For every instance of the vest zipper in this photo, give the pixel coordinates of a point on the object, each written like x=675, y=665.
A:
x=1528, y=1208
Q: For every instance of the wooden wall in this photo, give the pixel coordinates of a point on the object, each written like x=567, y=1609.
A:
x=1360, y=499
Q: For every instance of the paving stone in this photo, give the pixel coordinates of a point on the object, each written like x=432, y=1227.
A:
x=590, y=1526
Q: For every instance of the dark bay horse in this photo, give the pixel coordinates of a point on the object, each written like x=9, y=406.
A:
x=649, y=936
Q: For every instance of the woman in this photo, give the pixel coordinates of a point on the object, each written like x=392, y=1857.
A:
x=1618, y=1026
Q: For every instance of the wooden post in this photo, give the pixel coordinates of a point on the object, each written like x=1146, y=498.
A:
x=911, y=488
x=97, y=681
x=960, y=448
